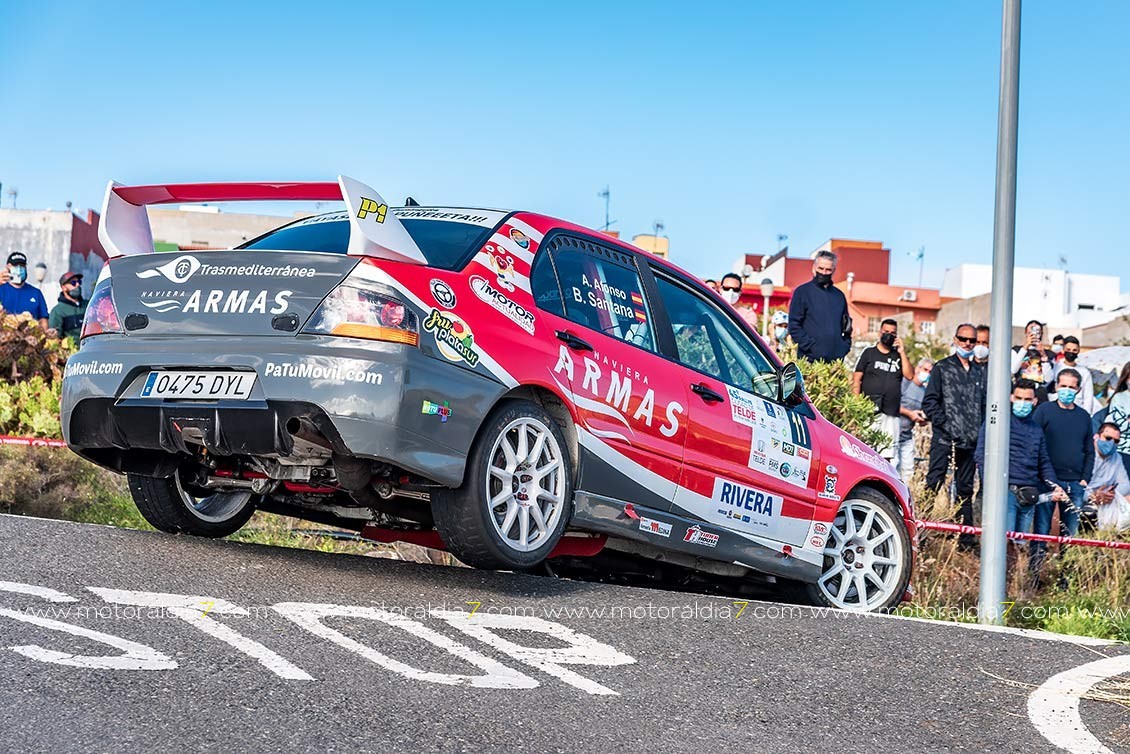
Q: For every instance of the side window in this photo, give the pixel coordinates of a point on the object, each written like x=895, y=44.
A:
x=710, y=342
x=543, y=284
x=602, y=292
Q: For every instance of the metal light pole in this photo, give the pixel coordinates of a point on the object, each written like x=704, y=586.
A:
x=766, y=292
x=997, y=409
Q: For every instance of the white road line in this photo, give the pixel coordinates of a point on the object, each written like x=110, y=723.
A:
x=51, y=595
x=1054, y=706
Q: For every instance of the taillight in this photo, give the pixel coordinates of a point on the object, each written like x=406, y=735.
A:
x=354, y=312
x=101, y=316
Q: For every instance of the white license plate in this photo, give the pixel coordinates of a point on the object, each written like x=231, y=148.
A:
x=199, y=385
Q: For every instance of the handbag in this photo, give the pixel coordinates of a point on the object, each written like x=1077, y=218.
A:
x=1114, y=515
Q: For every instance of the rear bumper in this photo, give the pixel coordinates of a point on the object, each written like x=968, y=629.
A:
x=366, y=398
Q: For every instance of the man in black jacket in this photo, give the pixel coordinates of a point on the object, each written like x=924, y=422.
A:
x=955, y=405
x=818, y=315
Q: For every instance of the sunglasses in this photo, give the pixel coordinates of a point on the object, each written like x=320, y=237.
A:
x=730, y=289
x=967, y=341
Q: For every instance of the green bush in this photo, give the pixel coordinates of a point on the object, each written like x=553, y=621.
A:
x=30, y=408
x=54, y=483
x=28, y=350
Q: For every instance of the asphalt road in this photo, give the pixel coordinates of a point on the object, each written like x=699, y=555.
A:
x=344, y=653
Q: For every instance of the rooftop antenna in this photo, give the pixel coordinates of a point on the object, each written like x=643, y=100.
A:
x=781, y=238
x=658, y=227
x=606, y=195
x=921, y=257
x=13, y=192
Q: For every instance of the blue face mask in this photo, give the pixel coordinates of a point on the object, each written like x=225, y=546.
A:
x=964, y=353
x=924, y=378
x=1021, y=408
x=1066, y=395
x=1106, y=447
x=19, y=273
x=781, y=332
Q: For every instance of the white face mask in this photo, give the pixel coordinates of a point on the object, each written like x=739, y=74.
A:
x=980, y=352
x=1057, y=348
x=731, y=296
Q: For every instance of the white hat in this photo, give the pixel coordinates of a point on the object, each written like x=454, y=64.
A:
x=780, y=318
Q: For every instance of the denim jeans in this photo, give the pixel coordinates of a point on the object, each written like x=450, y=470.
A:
x=1068, y=511
x=1019, y=516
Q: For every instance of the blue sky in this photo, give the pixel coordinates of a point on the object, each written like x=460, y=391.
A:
x=868, y=120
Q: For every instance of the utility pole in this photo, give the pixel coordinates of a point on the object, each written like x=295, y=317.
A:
x=991, y=608
x=921, y=263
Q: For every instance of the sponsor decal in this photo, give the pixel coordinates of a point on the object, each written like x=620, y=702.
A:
x=513, y=311
x=431, y=213
x=786, y=470
x=830, y=482
x=91, y=368
x=749, y=503
x=454, y=338
x=435, y=409
x=817, y=534
x=519, y=238
x=305, y=371
x=623, y=387
x=743, y=409
x=696, y=536
x=217, y=302
x=830, y=469
x=372, y=207
x=182, y=268
x=442, y=293
x=788, y=448
x=658, y=528
x=503, y=266
x=856, y=451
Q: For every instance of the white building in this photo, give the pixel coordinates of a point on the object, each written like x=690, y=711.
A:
x=1064, y=300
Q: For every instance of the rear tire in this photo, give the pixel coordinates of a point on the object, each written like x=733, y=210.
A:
x=169, y=507
x=517, y=493
x=867, y=558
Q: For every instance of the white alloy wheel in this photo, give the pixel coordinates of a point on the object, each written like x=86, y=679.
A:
x=865, y=559
x=525, y=486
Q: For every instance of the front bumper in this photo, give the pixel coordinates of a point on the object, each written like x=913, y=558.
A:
x=365, y=397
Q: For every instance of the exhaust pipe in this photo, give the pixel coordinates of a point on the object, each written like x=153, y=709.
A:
x=355, y=477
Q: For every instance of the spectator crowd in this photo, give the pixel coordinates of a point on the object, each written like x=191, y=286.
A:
x=1069, y=454
x=18, y=296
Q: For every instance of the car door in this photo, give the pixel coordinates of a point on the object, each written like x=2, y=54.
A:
x=750, y=462
x=631, y=408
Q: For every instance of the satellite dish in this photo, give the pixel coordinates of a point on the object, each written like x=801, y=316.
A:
x=747, y=271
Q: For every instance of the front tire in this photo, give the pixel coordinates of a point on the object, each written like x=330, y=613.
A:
x=867, y=558
x=517, y=493
x=169, y=507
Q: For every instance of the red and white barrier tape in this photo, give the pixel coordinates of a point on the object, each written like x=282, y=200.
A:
x=1016, y=535
x=39, y=441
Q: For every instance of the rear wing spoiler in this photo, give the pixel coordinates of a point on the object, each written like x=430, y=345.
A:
x=374, y=231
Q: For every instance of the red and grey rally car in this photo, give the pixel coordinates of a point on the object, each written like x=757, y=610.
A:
x=528, y=389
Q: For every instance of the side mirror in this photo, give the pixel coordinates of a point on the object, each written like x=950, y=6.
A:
x=791, y=383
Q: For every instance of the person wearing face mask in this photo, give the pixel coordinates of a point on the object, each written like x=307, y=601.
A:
x=1071, y=447
x=66, y=316
x=1108, y=495
x=731, y=290
x=981, y=350
x=1030, y=467
x=819, y=323
x=780, y=330
x=1057, y=348
x=17, y=295
x=1085, y=395
x=954, y=403
x=911, y=415
x=879, y=375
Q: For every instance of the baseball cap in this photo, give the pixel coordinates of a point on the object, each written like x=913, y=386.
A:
x=17, y=258
x=66, y=277
x=780, y=318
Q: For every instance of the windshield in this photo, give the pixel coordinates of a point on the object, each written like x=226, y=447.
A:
x=446, y=244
